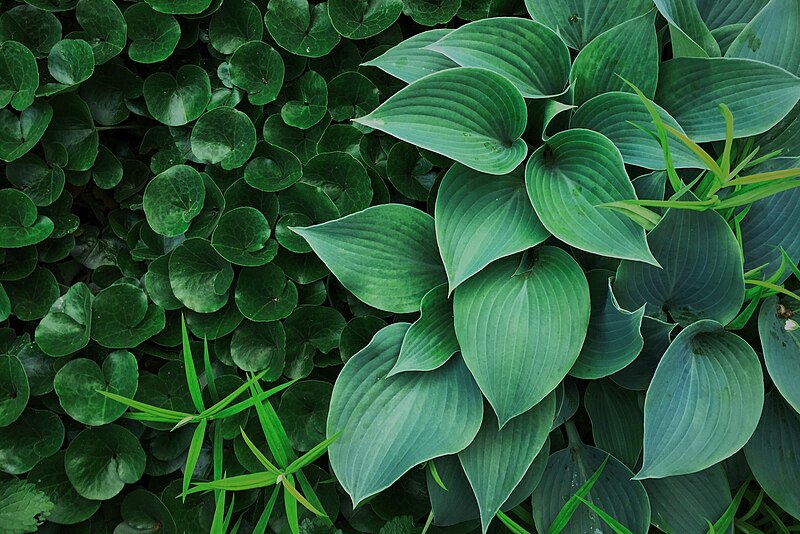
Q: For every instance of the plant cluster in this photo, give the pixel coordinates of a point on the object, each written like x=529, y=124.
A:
x=399, y=266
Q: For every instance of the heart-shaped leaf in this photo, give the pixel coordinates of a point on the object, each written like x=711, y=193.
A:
x=70, y=62
x=20, y=224
x=104, y=26
x=308, y=101
x=35, y=435
x=123, y=318
x=199, y=277
x=300, y=27
x=342, y=178
x=272, y=168
x=359, y=19
x=264, y=294
x=242, y=237
x=153, y=35
x=20, y=133
x=19, y=76
x=172, y=199
x=179, y=7
x=224, y=135
x=235, y=23
x=66, y=327
x=50, y=477
x=259, y=346
x=258, y=69
x=14, y=388
x=177, y=100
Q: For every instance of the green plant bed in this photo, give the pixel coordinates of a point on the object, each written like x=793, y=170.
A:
x=399, y=266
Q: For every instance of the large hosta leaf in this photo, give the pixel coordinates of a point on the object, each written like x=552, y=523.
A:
x=389, y=425
x=472, y=115
x=613, y=339
x=692, y=284
x=568, y=178
x=386, y=255
x=685, y=503
x=625, y=52
x=781, y=351
x=617, y=420
x=773, y=451
x=703, y=403
x=759, y=95
x=773, y=36
x=623, y=118
x=481, y=218
x=614, y=492
x=411, y=59
x=690, y=36
x=532, y=56
x=497, y=459
x=510, y=329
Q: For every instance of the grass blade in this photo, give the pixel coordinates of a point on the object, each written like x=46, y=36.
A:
x=435, y=475
x=311, y=455
x=216, y=412
x=263, y=520
x=237, y=483
x=289, y=486
x=191, y=372
x=565, y=514
x=258, y=454
x=171, y=415
x=615, y=525
x=512, y=525
x=193, y=455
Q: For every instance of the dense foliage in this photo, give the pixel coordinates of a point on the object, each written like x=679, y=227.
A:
x=399, y=266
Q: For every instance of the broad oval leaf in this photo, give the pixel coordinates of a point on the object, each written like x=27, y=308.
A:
x=532, y=56
x=781, y=346
x=412, y=59
x=386, y=255
x=67, y=326
x=389, y=425
x=497, y=459
x=508, y=325
x=758, y=95
x=703, y=404
x=771, y=36
x=617, y=420
x=481, y=218
x=172, y=199
x=472, y=115
x=568, y=178
x=773, y=450
x=431, y=340
x=692, y=284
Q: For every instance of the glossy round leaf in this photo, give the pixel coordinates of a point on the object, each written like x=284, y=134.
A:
x=123, y=318
x=31, y=297
x=50, y=477
x=359, y=19
x=224, y=135
x=35, y=28
x=20, y=133
x=264, y=294
x=177, y=100
x=71, y=61
x=258, y=69
x=308, y=101
x=66, y=327
x=35, y=435
x=301, y=28
x=303, y=411
x=272, y=168
x=431, y=12
x=351, y=95
x=20, y=224
x=172, y=199
x=242, y=237
x=235, y=23
x=73, y=129
x=179, y=7
x=259, y=346
x=14, y=389
x=342, y=177
x=104, y=26
x=19, y=77
x=199, y=276
x=153, y=35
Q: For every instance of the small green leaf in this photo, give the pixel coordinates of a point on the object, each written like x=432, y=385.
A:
x=172, y=199
x=258, y=69
x=180, y=99
x=19, y=76
x=358, y=19
x=224, y=135
x=20, y=224
x=300, y=27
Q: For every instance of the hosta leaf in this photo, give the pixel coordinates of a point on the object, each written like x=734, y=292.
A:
x=772, y=450
x=123, y=318
x=258, y=69
x=14, y=388
x=301, y=27
x=19, y=76
x=781, y=346
x=78, y=382
x=718, y=14
x=506, y=323
x=690, y=36
x=153, y=35
x=639, y=372
x=614, y=492
x=66, y=327
x=497, y=459
x=613, y=339
x=20, y=133
x=359, y=19
x=431, y=340
x=224, y=135
x=691, y=285
x=177, y=100
x=629, y=51
x=100, y=461
x=473, y=116
x=580, y=21
x=199, y=277
x=20, y=224
x=568, y=177
x=758, y=95
x=685, y=503
x=172, y=199
x=621, y=117
x=703, y=403
x=481, y=218
x=532, y=57
x=617, y=420
x=784, y=136
x=391, y=268
x=411, y=59
x=772, y=36
x=389, y=425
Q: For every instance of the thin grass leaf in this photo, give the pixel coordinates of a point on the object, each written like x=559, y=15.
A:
x=776, y=521
x=512, y=525
x=642, y=216
x=263, y=520
x=317, y=451
x=773, y=287
x=229, y=515
x=311, y=495
x=171, y=415
x=249, y=402
x=766, y=177
x=750, y=195
x=150, y=418
x=740, y=320
x=754, y=507
x=193, y=455
x=217, y=452
x=696, y=205
x=725, y=165
x=212, y=384
x=565, y=514
x=726, y=519
x=428, y=523
x=183, y=422
x=276, y=437
x=237, y=483
x=289, y=486
x=258, y=454
x=744, y=163
x=290, y=505
x=790, y=262
x=435, y=475
x=615, y=525
x=218, y=521
x=702, y=154
x=766, y=157
x=222, y=404
x=191, y=372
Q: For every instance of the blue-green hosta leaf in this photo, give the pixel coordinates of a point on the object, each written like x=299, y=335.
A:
x=690, y=35
x=359, y=19
x=613, y=339
x=389, y=425
x=717, y=14
x=773, y=450
x=19, y=76
x=301, y=27
x=759, y=95
x=411, y=60
x=431, y=340
x=617, y=420
x=66, y=327
x=638, y=374
x=386, y=255
x=772, y=223
x=784, y=136
x=507, y=323
x=621, y=117
x=481, y=218
x=568, y=177
x=773, y=36
x=580, y=21
x=685, y=503
x=703, y=403
x=172, y=199
x=20, y=133
x=532, y=56
x=692, y=284
x=471, y=115
x=497, y=459
x=781, y=347
x=20, y=223
x=614, y=492
x=629, y=51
